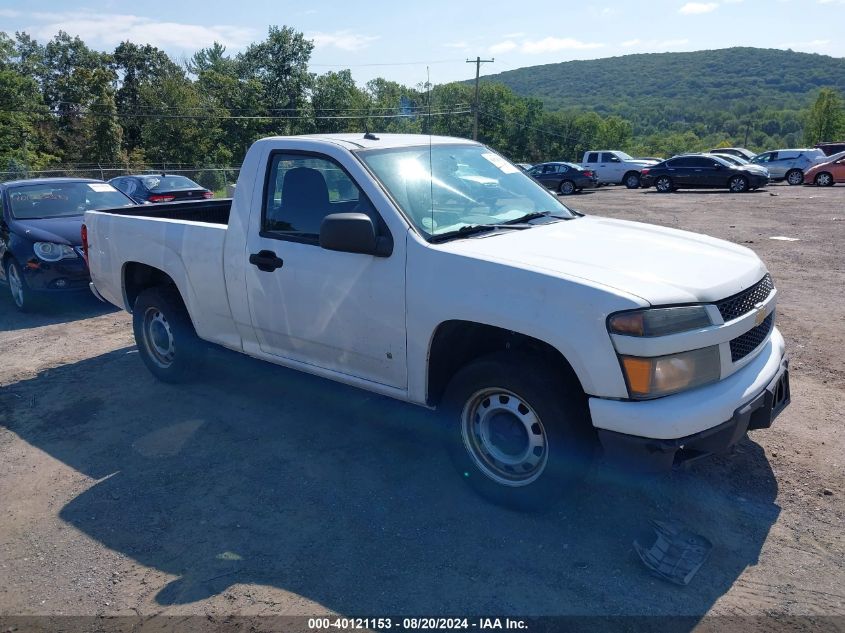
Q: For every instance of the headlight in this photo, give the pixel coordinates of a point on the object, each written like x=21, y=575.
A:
x=664, y=375
x=50, y=252
x=659, y=321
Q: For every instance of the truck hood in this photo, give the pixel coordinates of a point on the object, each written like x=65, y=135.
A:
x=64, y=230
x=657, y=264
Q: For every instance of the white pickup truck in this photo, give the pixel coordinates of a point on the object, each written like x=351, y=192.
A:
x=616, y=168
x=432, y=270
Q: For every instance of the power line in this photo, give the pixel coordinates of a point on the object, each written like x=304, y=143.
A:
x=317, y=117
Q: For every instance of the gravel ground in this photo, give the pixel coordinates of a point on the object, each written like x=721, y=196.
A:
x=261, y=491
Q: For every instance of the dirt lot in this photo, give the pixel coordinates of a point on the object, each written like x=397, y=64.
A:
x=262, y=491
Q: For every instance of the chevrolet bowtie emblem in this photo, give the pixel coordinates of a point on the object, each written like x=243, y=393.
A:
x=761, y=314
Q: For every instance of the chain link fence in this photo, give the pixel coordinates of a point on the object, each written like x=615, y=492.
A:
x=216, y=179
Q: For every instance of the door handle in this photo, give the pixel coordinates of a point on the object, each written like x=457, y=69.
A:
x=266, y=261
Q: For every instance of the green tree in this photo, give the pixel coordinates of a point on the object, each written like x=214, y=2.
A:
x=826, y=119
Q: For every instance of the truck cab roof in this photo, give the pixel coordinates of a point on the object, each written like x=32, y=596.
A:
x=379, y=141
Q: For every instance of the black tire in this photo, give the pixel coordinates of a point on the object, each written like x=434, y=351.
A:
x=824, y=179
x=528, y=404
x=795, y=177
x=664, y=184
x=159, y=318
x=632, y=180
x=738, y=184
x=22, y=297
x=567, y=188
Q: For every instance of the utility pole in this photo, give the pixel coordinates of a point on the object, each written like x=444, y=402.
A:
x=477, y=61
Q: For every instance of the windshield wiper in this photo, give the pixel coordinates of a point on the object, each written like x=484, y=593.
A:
x=471, y=229
x=536, y=214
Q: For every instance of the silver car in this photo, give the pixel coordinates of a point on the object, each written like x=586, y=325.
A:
x=789, y=164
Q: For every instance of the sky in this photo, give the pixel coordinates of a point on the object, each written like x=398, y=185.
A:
x=406, y=41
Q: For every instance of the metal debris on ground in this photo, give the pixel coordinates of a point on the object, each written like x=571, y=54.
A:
x=676, y=554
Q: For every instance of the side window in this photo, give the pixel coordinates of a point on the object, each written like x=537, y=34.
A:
x=684, y=161
x=535, y=172
x=762, y=158
x=304, y=189
x=701, y=162
x=129, y=186
x=550, y=169
x=593, y=157
x=607, y=157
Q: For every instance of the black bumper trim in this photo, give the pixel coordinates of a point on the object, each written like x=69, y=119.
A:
x=643, y=454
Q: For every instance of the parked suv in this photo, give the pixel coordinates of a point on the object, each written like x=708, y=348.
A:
x=831, y=148
x=789, y=164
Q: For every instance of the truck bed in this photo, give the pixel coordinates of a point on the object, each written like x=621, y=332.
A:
x=214, y=211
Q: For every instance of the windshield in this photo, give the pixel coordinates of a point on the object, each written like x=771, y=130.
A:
x=443, y=188
x=56, y=200
x=169, y=183
x=623, y=156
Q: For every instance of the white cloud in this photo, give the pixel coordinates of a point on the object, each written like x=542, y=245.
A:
x=652, y=45
x=813, y=46
x=503, y=47
x=553, y=44
x=344, y=40
x=462, y=44
x=697, y=8
x=545, y=45
x=108, y=30
x=511, y=36
x=9, y=13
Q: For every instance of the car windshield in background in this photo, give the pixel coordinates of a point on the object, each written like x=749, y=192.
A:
x=169, y=183
x=443, y=188
x=29, y=202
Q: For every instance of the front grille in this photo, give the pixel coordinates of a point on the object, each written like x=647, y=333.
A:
x=746, y=343
x=743, y=302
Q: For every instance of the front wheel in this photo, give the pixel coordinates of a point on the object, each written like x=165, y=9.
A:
x=21, y=294
x=738, y=184
x=567, y=188
x=795, y=177
x=664, y=184
x=166, y=339
x=518, y=432
x=824, y=179
x=632, y=180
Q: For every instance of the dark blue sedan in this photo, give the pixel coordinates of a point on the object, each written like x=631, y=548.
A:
x=160, y=188
x=40, y=240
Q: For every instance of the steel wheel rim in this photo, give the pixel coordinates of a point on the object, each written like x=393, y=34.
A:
x=795, y=178
x=15, y=285
x=504, y=437
x=158, y=338
x=567, y=187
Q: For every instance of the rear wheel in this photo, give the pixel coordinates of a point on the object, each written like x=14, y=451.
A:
x=738, y=184
x=795, y=177
x=567, y=188
x=166, y=339
x=664, y=184
x=518, y=431
x=21, y=294
x=824, y=179
x=632, y=180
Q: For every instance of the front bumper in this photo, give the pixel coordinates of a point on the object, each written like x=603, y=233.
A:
x=62, y=276
x=656, y=434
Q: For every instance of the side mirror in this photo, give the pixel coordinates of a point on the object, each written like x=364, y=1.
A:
x=353, y=233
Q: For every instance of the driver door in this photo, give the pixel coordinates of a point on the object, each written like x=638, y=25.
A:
x=339, y=311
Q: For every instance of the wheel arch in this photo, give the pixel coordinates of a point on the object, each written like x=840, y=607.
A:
x=137, y=277
x=455, y=343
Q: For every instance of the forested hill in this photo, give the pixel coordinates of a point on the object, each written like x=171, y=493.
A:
x=660, y=88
